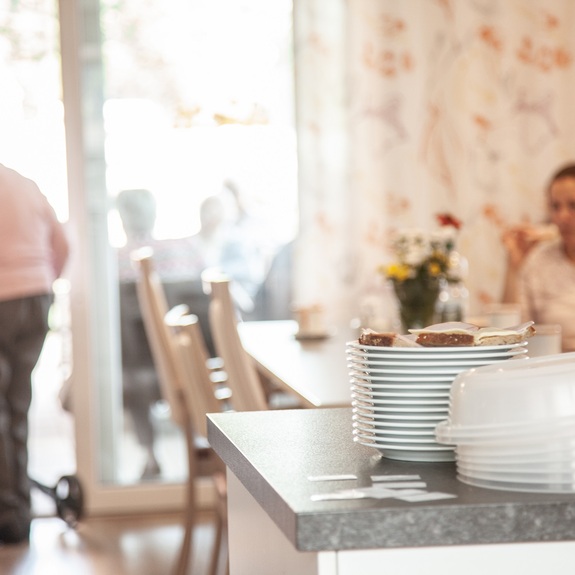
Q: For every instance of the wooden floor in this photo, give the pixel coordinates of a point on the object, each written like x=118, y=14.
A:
x=134, y=545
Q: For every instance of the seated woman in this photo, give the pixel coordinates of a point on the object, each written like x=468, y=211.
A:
x=541, y=261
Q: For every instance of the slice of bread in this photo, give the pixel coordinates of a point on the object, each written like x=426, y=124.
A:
x=386, y=339
x=447, y=334
x=505, y=336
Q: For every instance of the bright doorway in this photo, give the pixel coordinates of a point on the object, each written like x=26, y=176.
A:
x=195, y=92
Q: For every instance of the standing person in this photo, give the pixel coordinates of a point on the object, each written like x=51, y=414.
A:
x=542, y=261
x=33, y=252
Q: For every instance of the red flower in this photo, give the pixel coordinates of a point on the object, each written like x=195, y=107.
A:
x=448, y=220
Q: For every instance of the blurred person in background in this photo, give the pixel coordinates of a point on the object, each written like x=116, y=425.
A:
x=245, y=249
x=175, y=263
x=209, y=242
x=541, y=261
x=274, y=297
x=33, y=252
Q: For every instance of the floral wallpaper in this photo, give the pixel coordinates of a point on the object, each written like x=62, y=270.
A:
x=409, y=109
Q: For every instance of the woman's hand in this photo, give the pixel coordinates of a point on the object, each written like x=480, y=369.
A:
x=520, y=240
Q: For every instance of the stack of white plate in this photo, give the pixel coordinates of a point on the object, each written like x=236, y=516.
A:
x=513, y=425
x=400, y=394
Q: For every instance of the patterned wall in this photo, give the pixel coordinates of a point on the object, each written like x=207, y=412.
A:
x=407, y=109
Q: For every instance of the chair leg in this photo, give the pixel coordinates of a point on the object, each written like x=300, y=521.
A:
x=214, y=562
x=185, y=555
x=226, y=558
x=224, y=541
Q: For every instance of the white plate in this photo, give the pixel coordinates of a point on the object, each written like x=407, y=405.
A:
x=416, y=367
x=399, y=424
x=405, y=419
x=408, y=447
x=385, y=403
x=393, y=392
x=378, y=430
x=422, y=363
x=411, y=370
x=410, y=455
x=403, y=387
x=398, y=431
x=377, y=399
x=399, y=443
x=414, y=412
x=396, y=422
x=409, y=432
x=407, y=441
x=415, y=378
x=439, y=349
x=438, y=353
x=402, y=442
x=489, y=356
x=367, y=389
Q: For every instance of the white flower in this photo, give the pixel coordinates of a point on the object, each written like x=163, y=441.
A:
x=412, y=247
x=444, y=238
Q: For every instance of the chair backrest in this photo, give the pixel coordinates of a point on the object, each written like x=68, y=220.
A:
x=152, y=300
x=243, y=379
x=199, y=389
x=180, y=363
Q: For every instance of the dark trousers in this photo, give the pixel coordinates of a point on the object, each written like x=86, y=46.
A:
x=23, y=328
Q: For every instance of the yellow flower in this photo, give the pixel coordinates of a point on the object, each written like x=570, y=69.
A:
x=397, y=271
x=434, y=269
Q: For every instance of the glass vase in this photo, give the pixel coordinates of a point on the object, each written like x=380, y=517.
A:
x=416, y=299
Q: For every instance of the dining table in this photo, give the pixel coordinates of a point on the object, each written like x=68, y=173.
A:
x=313, y=368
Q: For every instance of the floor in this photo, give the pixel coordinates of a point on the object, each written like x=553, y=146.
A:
x=131, y=545
x=135, y=545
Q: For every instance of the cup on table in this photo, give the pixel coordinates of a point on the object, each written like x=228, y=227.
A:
x=502, y=314
x=546, y=341
x=311, y=320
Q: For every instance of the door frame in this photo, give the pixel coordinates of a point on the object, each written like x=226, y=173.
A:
x=96, y=363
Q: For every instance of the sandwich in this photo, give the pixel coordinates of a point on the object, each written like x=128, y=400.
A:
x=454, y=334
x=386, y=339
x=450, y=334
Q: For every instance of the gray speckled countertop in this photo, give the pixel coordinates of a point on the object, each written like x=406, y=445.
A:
x=274, y=452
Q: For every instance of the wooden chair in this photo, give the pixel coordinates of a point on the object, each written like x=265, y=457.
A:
x=175, y=383
x=200, y=390
x=200, y=398
x=243, y=379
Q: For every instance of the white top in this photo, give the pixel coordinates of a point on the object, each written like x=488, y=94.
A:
x=547, y=289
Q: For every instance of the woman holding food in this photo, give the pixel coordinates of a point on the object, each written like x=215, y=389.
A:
x=541, y=272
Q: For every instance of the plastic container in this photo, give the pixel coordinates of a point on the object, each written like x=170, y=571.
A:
x=539, y=388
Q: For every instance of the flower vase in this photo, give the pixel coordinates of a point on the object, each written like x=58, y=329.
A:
x=416, y=298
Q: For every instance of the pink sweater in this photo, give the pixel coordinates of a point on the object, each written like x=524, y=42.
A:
x=33, y=245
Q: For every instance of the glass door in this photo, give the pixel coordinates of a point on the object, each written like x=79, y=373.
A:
x=32, y=141
x=179, y=113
